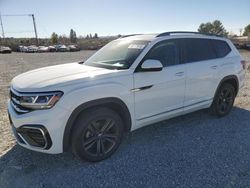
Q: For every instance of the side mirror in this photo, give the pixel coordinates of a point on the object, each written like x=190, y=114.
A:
x=151, y=65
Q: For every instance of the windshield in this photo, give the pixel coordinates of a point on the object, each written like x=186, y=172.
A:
x=118, y=54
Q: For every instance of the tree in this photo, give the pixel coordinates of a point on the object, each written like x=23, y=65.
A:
x=72, y=36
x=63, y=39
x=96, y=36
x=215, y=27
x=54, y=38
x=246, y=30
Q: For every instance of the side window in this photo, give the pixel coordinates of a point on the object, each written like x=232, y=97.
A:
x=167, y=52
x=198, y=49
x=221, y=48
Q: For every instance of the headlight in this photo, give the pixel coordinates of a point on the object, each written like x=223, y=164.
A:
x=40, y=100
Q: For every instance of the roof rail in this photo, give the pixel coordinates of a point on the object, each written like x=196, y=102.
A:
x=186, y=32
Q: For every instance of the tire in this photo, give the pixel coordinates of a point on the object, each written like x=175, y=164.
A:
x=97, y=134
x=224, y=100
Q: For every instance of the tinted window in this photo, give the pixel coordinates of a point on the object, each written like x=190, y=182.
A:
x=221, y=48
x=198, y=49
x=167, y=52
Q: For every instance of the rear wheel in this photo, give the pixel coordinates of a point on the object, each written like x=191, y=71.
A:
x=223, y=101
x=97, y=134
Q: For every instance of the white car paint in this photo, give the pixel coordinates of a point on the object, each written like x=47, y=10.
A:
x=175, y=90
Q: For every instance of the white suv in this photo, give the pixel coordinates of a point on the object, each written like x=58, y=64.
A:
x=131, y=82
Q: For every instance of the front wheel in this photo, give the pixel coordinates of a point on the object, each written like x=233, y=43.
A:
x=224, y=100
x=97, y=134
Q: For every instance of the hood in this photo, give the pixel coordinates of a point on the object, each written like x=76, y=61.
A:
x=44, y=78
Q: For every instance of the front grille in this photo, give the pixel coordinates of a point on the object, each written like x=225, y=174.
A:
x=15, y=102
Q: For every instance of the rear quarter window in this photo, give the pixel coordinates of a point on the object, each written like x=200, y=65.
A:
x=221, y=48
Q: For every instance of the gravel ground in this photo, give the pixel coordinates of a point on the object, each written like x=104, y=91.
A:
x=195, y=150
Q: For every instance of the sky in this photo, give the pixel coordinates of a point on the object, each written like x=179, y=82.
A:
x=113, y=17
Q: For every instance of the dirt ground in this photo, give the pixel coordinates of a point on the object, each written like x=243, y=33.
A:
x=227, y=164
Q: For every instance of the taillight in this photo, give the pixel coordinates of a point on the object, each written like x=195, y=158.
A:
x=243, y=63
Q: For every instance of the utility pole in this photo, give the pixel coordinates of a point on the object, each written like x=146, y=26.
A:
x=34, y=23
x=240, y=31
x=33, y=19
x=2, y=26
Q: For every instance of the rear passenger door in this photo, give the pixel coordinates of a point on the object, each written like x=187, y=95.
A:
x=202, y=68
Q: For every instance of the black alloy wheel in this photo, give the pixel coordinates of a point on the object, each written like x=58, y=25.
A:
x=97, y=134
x=224, y=100
x=100, y=137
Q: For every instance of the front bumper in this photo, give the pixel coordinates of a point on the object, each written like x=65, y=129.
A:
x=40, y=130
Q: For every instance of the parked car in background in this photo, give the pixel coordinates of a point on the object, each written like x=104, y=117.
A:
x=248, y=46
x=32, y=49
x=52, y=49
x=43, y=49
x=73, y=48
x=5, y=50
x=61, y=48
x=22, y=48
x=55, y=48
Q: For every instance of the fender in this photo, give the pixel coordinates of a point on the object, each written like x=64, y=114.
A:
x=234, y=77
x=104, y=101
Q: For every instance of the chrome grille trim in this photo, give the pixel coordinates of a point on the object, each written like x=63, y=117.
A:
x=22, y=94
x=19, y=110
x=15, y=92
x=15, y=102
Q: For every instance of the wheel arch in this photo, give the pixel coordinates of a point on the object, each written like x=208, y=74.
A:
x=232, y=79
x=113, y=103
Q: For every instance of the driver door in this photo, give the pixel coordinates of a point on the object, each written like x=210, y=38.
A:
x=158, y=94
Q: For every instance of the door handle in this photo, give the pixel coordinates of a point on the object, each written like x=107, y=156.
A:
x=141, y=88
x=179, y=74
x=214, y=67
